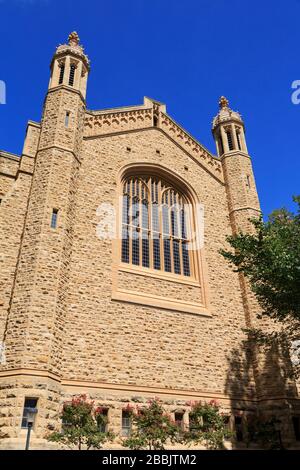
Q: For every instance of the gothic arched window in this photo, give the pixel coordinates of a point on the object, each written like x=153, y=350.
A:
x=155, y=226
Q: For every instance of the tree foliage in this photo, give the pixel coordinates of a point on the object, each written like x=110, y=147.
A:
x=207, y=426
x=270, y=259
x=152, y=427
x=81, y=425
x=262, y=430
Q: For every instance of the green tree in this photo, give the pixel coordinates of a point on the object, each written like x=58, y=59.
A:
x=270, y=259
x=207, y=426
x=152, y=427
x=262, y=431
x=82, y=425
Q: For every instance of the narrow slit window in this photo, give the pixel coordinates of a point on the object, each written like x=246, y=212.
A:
x=238, y=138
x=221, y=148
x=72, y=74
x=229, y=139
x=54, y=218
x=67, y=118
x=61, y=74
x=248, y=181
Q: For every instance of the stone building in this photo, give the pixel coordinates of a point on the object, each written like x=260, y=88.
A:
x=112, y=283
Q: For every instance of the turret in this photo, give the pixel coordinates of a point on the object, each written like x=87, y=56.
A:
x=70, y=66
x=228, y=130
x=39, y=303
x=229, y=133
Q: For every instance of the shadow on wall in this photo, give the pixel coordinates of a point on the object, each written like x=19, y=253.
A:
x=262, y=392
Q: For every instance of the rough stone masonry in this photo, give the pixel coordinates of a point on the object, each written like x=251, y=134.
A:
x=79, y=314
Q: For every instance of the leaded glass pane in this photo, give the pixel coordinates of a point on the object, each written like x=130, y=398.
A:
x=167, y=255
x=135, y=212
x=185, y=260
x=125, y=213
x=156, y=253
x=125, y=245
x=176, y=257
x=165, y=216
x=145, y=215
x=145, y=249
x=155, y=219
x=135, y=248
x=168, y=233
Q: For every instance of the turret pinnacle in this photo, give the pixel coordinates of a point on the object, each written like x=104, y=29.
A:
x=223, y=102
x=73, y=39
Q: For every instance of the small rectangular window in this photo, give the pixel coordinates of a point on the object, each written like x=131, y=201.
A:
x=72, y=74
x=296, y=425
x=103, y=425
x=54, y=218
x=30, y=409
x=126, y=423
x=67, y=118
x=179, y=420
x=248, y=183
x=238, y=428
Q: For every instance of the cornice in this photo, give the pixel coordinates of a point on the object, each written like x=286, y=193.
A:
x=86, y=385
x=245, y=208
x=234, y=153
x=9, y=155
x=34, y=124
x=66, y=88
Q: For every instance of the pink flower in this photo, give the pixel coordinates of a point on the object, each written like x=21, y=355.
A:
x=100, y=410
x=213, y=403
x=129, y=408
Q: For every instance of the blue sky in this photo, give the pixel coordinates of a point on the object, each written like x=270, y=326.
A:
x=183, y=53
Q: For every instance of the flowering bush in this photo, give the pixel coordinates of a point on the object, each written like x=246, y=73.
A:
x=207, y=425
x=152, y=427
x=130, y=408
x=82, y=424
